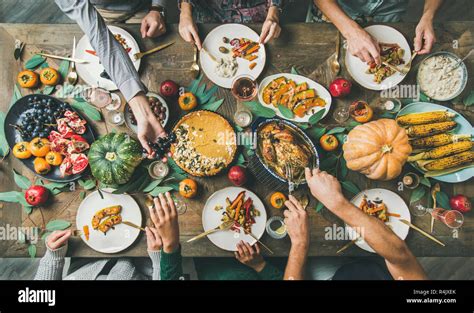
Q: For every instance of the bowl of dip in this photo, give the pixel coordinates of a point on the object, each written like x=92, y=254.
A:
x=437, y=80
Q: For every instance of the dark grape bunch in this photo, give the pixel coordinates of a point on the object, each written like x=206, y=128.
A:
x=158, y=109
x=162, y=146
x=40, y=117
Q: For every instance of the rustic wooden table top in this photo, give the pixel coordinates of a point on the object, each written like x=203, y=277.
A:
x=307, y=47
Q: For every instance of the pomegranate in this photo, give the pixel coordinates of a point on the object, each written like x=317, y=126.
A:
x=169, y=88
x=237, y=175
x=340, y=87
x=460, y=203
x=36, y=195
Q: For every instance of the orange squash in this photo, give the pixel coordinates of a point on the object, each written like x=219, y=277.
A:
x=377, y=149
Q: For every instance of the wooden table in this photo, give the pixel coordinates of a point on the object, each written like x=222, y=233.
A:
x=307, y=47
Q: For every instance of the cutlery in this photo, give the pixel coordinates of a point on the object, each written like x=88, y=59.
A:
x=460, y=61
x=335, y=66
x=304, y=203
x=393, y=67
x=421, y=231
x=72, y=75
x=289, y=177
x=195, y=66
x=133, y=225
x=347, y=245
x=261, y=243
x=80, y=61
x=213, y=58
x=139, y=55
x=223, y=226
x=407, y=66
x=434, y=191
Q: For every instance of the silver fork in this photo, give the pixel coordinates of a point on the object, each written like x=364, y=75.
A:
x=289, y=177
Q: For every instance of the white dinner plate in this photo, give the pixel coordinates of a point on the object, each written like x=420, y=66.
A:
x=228, y=239
x=298, y=79
x=394, y=203
x=357, y=69
x=90, y=72
x=128, y=112
x=213, y=41
x=117, y=239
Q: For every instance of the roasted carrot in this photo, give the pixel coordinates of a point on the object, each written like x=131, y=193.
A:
x=374, y=210
x=252, y=65
x=237, y=210
x=236, y=201
x=252, y=49
x=250, y=57
x=393, y=214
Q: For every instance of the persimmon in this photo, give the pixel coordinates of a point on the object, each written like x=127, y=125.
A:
x=329, y=142
x=188, y=188
x=277, y=200
x=187, y=101
x=27, y=79
x=21, y=150
x=49, y=76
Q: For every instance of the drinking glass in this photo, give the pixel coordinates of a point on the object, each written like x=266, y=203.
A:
x=244, y=88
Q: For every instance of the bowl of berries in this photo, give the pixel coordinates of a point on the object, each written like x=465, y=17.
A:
x=157, y=105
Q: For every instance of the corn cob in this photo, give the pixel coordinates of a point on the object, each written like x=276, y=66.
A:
x=456, y=160
x=437, y=140
x=425, y=118
x=430, y=129
x=443, y=151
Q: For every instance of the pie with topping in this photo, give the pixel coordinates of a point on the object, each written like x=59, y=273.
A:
x=205, y=143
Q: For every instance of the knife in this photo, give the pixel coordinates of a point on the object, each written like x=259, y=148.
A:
x=258, y=240
x=133, y=225
x=421, y=231
x=81, y=61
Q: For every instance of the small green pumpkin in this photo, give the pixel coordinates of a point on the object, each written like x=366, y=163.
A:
x=114, y=157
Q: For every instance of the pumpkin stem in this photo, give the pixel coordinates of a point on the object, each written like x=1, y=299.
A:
x=387, y=149
x=111, y=156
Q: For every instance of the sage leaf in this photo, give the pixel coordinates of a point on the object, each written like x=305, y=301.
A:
x=287, y=113
x=4, y=147
x=87, y=184
x=11, y=196
x=319, y=207
x=343, y=165
x=88, y=110
x=240, y=160
x=442, y=200
x=21, y=181
x=82, y=195
x=47, y=90
x=350, y=186
x=57, y=225
x=259, y=110
x=328, y=162
x=32, y=251
x=417, y=194
x=44, y=65
x=425, y=181
x=160, y=189
x=28, y=209
x=63, y=69
x=316, y=132
x=16, y=94
x=212, y=106
x=152, y=185
x=34, y=62
x=316, y=117
x=208, y=95
x=195, y=84
x=294, y=71
x=469, y=99
x=336, y=130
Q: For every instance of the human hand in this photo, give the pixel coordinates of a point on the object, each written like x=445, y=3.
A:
x=187, y=27
x=149, y=128
x=271, y=27
x=325, y=188
x=153, y=25
x=297, y=222
x=165, y=219
x=58, y=238
x=425, y=36
x=250, y=256
x=153, y=239
x=362, y=45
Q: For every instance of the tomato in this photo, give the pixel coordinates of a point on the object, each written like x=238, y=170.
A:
x=188, y=188
x=36, y=195
x=49, y=76
x=21, y=150
x=329, y=142
x=27, y=79
x=277, y=200
x=54, y=158
x=39, y=147
x=187, y=101
x=41, y=166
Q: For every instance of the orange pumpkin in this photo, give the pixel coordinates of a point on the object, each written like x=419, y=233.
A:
x=188, y=188
x=187, y=101
x=27, y=79
x=377, y=149
x=49, y=76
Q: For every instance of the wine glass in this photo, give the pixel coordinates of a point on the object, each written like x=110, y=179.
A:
x=451, y=218
x=244, y=88
x=341, y=114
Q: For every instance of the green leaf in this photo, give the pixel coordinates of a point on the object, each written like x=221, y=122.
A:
x=442, y=200
x=352, y=125
x=4, y=148
x=287, y=113
x=336, y=130
x=57, y=225
x=206, y=95
x=259, y=110
x=294, y=71
x=34, y=62
x=195, y=84
x=11, y=196
x=16, y=94
x=175, y=168
x=350, y=186
x=32, y=251
x=303, y=125
x=88, y=110
x=21, y=181
x=343, y=167
x=47, y=90
x=200, y=91
x=387, y=115
x=82, y=195
x=425, y=181
x=319, y=207
x=56, y=188
x=160, y=189
x=87, y=184
x=212, y=106
x=469, y=99
x=64, y=69
x=28, y=209
x=316, y=132
x=44, y=65
x=316, y=117
x=328, y=162
x=241, y=160
x=424, y=98
x=417, y=194
x=152, y=185
x=45, y=235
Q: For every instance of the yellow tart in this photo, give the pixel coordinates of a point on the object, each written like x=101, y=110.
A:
x=205, y=143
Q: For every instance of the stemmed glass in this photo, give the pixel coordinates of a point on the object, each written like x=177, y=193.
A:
x=451, y=218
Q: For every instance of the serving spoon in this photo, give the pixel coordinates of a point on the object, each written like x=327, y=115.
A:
x=195, y=66
x=72, y=75
x=335, y=65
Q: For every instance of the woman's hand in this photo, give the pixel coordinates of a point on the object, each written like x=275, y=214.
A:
x=57, y=239
x=187, y=27
x=425, y=36
x=250, y=256
x=153, y=25
x=271, y=27
x=165, y=218
x=153, y=239
x=362, y=45
x=149, y=127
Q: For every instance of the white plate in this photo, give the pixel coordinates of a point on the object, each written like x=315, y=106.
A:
x=298, y=79
x=128, y=112
x=227, y=240
x=394, y=203
x=213, y=41
x=357, y=68
x=90, y=72
x=117, y=239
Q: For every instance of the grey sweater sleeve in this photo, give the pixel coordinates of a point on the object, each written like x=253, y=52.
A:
x=51, y=265
x=113, y=57
x=155, y=261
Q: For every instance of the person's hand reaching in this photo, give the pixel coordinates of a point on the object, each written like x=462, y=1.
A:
x=250, y=256
x=325, y=188
x=425, y=36
x=363, y=46
x=165, y=219
x=153, y=25
x=271, y=27
x=187, y=28
x=57, y=239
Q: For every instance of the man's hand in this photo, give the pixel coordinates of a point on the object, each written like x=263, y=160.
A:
x=425, y=36
x=297, y=222
x=250, y=256
x=325, y=188
x=57, y=239
x=271, y=27
x=153, y=239
x=187, y=27
x=165, y=218
x=362, y=45
x=149, y=127
x=153, y=25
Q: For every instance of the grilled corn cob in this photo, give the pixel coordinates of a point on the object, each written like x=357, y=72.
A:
x=430, y=129
x=437, y=140
x=425, y=118
x=443, y=151
x=456, y=160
